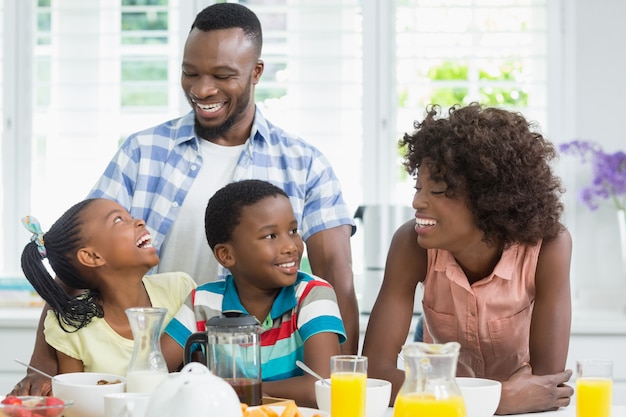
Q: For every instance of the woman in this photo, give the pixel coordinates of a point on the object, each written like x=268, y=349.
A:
x=494, y=259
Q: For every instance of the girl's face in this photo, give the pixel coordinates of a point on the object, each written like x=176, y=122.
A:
x=116, y=239
x=265, y=247
x=441, y=222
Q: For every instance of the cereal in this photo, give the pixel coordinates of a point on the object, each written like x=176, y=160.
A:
x=105, y=382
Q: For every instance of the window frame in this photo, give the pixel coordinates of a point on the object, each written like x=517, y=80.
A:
x=19, y=25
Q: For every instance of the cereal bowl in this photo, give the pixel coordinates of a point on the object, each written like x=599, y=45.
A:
x=377, y=396
x=481, y=396
x=87, y=391
x=34, y=406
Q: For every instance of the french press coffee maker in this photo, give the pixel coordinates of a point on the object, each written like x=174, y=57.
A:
x=232, y=351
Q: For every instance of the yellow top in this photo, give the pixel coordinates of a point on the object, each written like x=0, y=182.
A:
x=98, y=346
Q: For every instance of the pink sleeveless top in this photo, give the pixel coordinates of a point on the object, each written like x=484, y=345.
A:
x=490, y=319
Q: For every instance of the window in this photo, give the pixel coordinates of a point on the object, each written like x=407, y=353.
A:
x=312, y=82
x=144, y=61
x=100, y=70
x=492, y=52
x=350, y=76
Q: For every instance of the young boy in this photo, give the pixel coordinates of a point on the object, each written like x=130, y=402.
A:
x=251, y=228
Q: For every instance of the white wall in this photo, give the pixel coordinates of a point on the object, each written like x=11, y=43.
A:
x=595, y=70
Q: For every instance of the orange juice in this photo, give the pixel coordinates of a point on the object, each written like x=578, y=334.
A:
x=347, y=394
x=593, y=397
x=425, y=405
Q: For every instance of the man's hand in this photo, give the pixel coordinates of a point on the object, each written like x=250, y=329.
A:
x=330, y=257
x=526, y=393
x=33, y=384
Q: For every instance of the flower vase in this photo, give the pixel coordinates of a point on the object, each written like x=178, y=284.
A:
x=621, y=221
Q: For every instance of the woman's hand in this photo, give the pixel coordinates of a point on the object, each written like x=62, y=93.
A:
x=526, y=393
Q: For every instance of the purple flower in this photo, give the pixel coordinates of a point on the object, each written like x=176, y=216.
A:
x=609, y=173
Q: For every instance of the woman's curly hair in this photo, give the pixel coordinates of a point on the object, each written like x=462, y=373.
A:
x=498, y=162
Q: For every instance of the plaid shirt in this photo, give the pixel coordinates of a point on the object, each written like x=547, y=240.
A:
x=153, y=170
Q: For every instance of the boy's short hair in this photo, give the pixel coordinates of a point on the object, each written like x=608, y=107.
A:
x=223, y=212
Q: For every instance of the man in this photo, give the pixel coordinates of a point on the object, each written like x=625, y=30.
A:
x=166, y=174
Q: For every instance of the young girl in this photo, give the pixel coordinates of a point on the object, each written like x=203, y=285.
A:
x=99, y=252
x=494, y=259
x=251, y=228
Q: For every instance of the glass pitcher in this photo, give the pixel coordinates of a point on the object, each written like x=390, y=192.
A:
x=147, y=367
x=429, y=387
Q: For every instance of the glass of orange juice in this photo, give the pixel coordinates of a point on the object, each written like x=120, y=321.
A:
x=594, y=386
x=348, y=378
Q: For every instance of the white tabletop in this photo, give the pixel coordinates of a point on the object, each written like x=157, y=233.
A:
x=617, y=411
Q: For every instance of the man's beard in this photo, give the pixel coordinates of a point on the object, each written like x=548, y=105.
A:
x=216, y=132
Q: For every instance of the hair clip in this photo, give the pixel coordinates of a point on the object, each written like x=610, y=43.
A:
x=32, y=225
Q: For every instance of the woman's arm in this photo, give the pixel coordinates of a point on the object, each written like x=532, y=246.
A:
x=390, y=319
x=552, y=313
x=317, y=352
x=539, y=386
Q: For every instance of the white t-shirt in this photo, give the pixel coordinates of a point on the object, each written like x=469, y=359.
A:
x=193, y=254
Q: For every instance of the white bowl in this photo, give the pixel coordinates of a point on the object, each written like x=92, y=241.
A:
x=481, y=396
x=83, y=389
x=377, y=396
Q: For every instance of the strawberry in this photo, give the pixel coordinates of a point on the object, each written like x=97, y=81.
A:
x=13, y=407
x=11, y=400
x=58, y=405
x=16, y=410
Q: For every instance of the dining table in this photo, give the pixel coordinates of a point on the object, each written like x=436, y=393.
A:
x=569, y=411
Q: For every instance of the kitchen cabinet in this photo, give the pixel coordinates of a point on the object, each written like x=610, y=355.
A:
x=16, y=344
x=17, y=338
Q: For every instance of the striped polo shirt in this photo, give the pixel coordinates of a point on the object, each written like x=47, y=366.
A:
x=301, y=310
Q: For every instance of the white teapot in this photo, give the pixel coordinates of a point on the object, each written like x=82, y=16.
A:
x=194, y=391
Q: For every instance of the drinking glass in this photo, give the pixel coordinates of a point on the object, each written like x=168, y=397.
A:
x=348, y=379
x=594, y=385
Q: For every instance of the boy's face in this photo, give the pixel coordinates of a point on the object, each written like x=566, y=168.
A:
x=266, y=247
